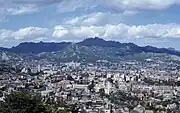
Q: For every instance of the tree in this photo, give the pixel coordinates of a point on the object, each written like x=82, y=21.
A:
x=69, y=77
x=91, y=86
x=178, y=83
x=102, y=92
x=22, y=102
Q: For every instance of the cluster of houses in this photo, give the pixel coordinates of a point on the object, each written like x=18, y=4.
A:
x=151, y=86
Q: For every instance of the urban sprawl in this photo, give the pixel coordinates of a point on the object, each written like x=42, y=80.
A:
x=148, y=86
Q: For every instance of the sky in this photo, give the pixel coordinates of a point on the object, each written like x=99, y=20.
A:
x=143, y=22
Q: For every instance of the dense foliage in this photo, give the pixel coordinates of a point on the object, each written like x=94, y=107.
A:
x=22, y=102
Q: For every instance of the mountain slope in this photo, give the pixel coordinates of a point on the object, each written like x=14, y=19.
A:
x=160, y=50
x=127, y=47
x=30, y=47
x=92, y=54
x=91, y=44
x=79, y=53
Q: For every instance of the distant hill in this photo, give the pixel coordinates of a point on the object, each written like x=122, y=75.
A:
x=160, y=50
x=129, y=47
x=4, y=49
x=30, y=47
x=90, y=44
x=103, y=43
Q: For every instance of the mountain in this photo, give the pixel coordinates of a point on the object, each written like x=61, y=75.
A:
x=94, y=49
x=103, y=43
x=30, y=47
x=131, y=47
x=80, y=53
x=9, y=56
x=127, y=47
x=94, y=46
x=3, y=49
x=160, y=50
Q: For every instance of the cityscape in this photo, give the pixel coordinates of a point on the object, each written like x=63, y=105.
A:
x=89, y=56
x=147, y=85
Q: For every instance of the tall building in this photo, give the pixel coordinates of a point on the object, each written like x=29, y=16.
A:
x=39, y=68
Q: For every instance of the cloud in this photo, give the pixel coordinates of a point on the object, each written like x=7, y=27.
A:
x=127, y=6
x=35, y=2
x=59, y=31
x=129, y=12
x=108, y=31
x=123, y=7
x=17, y=7
x=150, y=32
x=5, y=34
x=25, y=34
x=94, y=19
x=72, y=5
x=31, y=33
x=17, y=10
x=99, y=18
x=120, y=31
x=119, y=5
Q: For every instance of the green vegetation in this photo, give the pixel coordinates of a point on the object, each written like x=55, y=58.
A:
x=23, y=102
x=102, y=92
x=91, y=86
x=120, y=97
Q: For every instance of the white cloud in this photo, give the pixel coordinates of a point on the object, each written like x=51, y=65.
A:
x=109, y=31
x=98, y=18
x=129, y=12
x=25, y=34
x=17, y=9
x=72, y=5
x=59, y=31
x=35, y=2
x=121, y=31
x=116, y=5
x=123, y=7
x=119, y=5
x=5, y=34
x=21, y=9
x=31, y=33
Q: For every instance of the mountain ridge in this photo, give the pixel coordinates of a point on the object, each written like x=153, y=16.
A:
x=31, y=47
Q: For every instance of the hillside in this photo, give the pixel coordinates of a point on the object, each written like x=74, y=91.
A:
x=91, y=49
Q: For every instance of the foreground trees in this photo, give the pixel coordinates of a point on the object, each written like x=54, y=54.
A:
x=23, y=102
